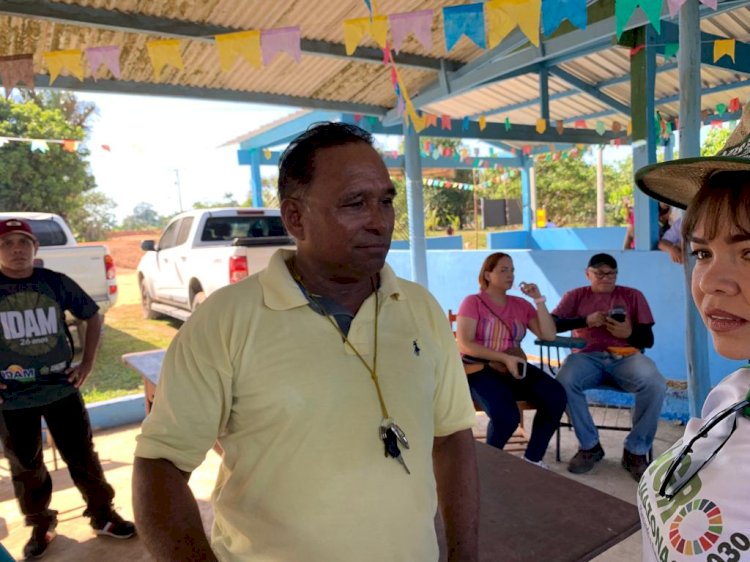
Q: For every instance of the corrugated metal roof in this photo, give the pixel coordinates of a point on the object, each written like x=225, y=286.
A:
x=339, y=79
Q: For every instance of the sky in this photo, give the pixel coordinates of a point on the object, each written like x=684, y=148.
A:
x=153, y=140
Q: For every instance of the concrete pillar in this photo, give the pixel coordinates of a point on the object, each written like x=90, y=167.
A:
x=532, y=195
x=689, y=66
x=256, y=185
x=527, y=165
x=600, y=187
x=415, y=206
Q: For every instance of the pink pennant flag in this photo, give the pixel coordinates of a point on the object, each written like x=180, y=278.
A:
x=281, y=40
x=15, y=69
x=108, y=56
x=674, y=6
x=445, y=122
x=419, y=23
x=387, y=54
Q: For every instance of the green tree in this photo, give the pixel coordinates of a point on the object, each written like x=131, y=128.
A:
x=228, y=201
x=51, y=181
x=715, y=141
x=94, y=218
x=143, y=216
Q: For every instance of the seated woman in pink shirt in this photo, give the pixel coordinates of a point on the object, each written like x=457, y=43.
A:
x=489, y=330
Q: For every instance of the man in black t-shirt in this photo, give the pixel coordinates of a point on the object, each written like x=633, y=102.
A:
x=37, y=380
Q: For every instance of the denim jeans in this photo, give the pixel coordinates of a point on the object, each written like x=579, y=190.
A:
x=497, y=394
x=68, y=422
x=636, y=374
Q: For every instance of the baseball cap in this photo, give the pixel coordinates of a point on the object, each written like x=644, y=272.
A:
x=598, y=260
x=16, y=226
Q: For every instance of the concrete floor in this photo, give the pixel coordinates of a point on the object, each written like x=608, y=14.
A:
x=76, y=542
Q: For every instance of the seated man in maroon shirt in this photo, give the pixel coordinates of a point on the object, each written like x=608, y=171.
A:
x=616, y=323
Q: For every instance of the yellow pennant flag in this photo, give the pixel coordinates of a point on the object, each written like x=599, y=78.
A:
x=245, y=44
x=163, y=52
x=629, y=128
x=416, y=121
x=541, y=125
x=354, y=32
x=379, y=30
x=267, y=153
x=59, y=60
x=482, y=122
x=503, y=15
x=724, y=47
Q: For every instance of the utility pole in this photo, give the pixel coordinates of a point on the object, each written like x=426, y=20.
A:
x=177, y=184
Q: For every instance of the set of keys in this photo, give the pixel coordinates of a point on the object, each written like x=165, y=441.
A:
x=392, y=435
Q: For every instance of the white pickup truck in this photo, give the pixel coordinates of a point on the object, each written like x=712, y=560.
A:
x=203, y=250
x=91, y=266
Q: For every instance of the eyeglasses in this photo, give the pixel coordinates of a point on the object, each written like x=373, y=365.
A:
x=701, y=448
x=612, y=273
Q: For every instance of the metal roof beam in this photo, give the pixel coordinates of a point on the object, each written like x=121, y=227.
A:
x=498, y=132
x=74, y=14
x=670, y=34
x=598, y=35
x=216, y=94
x=591, y=90
x=288, y=130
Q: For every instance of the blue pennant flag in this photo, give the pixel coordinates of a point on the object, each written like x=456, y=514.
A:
x=555, y=11
x=464, y=20
x=465, y=124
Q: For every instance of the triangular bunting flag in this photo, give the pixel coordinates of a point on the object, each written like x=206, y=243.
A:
x=445, y=122
x=734, y=105
x=419, y=23
x=600, y=127
x=555, y=11
x=39, y=146
x=15, y=69
x=107, y=56
x=468, y=20
x=724, y=47
x=163, y=52
x=482, y=122
x=580, y=124
x=625, y=8
x=245, y=44
x=560, y=126
x=541, y=126
x=281, y=40
x=504, y=15
x=670, y=50
x=70, y=145
x=70, y=60
x=507, y=123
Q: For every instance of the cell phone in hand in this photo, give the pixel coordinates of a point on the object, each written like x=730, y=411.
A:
x=617, y=314
x=522, y=370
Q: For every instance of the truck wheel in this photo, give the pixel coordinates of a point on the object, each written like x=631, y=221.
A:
x=148, y=312
x=198, y=299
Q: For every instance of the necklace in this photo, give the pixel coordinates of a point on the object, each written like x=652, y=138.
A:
x=390, y=433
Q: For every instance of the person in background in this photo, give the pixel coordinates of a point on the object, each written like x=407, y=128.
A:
x=37, y=381
x=665, y=212
x=671, y=241
x=693, y=500
x=490, y=327
x=616, y=323
x=334, y=388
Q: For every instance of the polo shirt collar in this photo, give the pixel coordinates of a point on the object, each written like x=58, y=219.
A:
x=280, y=291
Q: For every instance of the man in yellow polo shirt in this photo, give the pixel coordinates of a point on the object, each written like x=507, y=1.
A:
x=334, y=388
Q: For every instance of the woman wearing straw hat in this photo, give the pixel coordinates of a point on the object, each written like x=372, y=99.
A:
x=693, y=500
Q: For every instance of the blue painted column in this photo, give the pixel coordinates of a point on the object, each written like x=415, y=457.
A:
x=415, y=206
x=256, y=185
x=643, y=82
x=689, y=66
x=526, y=211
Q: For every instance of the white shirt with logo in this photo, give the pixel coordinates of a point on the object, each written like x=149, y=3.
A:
x=709, y=518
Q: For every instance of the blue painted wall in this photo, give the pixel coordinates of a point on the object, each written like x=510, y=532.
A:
x=453, y=275
x=606, y=238
x=433, y=243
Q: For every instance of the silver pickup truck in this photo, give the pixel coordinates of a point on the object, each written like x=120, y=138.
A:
x=203, y=250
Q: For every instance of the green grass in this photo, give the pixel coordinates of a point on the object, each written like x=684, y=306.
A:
x=125, y=331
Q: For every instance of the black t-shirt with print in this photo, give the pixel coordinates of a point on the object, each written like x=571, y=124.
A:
x=35, y=347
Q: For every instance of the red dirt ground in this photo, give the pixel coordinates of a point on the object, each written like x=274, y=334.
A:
x=125, y=247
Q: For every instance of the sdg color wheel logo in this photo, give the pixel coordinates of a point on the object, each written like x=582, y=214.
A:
x=705, y=509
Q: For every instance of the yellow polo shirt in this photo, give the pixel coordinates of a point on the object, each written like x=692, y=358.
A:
x=304, y=477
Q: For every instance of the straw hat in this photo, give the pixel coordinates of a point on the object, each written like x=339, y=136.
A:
x=677, y=181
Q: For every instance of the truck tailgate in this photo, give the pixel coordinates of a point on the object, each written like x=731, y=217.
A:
x=84, y=264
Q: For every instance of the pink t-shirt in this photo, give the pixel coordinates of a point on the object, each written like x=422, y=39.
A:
x=491, y=332
x=581, y=302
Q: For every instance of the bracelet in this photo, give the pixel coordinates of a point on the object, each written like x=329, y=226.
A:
x=540, y=300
